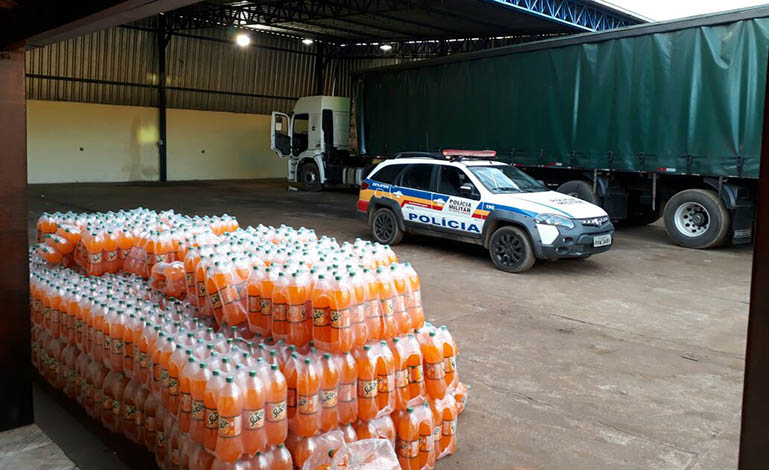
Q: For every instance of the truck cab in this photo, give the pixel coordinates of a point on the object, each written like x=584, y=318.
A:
x=315, y=141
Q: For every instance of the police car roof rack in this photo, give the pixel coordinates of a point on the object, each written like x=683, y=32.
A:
x=453, y=155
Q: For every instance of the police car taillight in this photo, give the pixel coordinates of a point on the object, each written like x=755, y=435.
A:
x=363, y=185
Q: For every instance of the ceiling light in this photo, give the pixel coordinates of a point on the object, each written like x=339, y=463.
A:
x=307, y=41
x=243, y=40
x=386, y=47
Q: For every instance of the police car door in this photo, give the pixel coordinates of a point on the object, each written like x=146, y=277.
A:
x=414, y=193
x=456, y=199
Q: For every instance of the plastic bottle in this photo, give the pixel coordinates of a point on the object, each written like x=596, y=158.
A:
x=348, y=387
x=366, y=362
x=254, y=432
x=359, y=312
x=386, y=293
x=385, y=370
x=117, y=345
x=280, y=458
x=268, y=285
x=110, y=258
x=299, y=323
x=408, y=439
x=176, y=363
x=198, y=381
x=340, y=311
x=279, y=328
x=446, y=419
x=256, y=322
x=210, y=397
x=400, y=357
x=329, y=392
x=185, y=393
x=432, y=352
x=150, y=414
x=303, y=375
x=276, y=422
x=414, y=298
x=449, y=357
x=229, y=403
x=321, y=317
x=380, y=428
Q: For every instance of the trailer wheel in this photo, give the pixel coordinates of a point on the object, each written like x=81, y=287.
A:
x=510, y=250
x=697, y=218
x=309, y=177
x=579, y=189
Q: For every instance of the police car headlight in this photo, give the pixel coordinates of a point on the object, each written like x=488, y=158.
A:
x=554, y=219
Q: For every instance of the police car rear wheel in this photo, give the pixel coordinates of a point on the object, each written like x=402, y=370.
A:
x=510, y=250
x=384, y=227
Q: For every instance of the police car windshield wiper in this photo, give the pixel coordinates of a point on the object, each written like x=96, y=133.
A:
x=507, y=188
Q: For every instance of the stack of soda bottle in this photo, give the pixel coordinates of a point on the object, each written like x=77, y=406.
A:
x=219, y=347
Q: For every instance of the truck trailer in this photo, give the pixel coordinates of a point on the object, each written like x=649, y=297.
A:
x=649, y=121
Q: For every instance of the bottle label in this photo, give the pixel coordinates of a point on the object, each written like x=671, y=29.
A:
x=276, y=411
x=265, y=305
x=297, y=313
x=149, y=424
x=449, y=427
x=375, y=309
x=201, y=289
x=340, y=319
x=328, y=398
x=229, y=426
x=117, y=346
x=157, y=372
x=254, y=304
x=426, y=443
x=110, y=256
x=216, y=300
x=254, y=419
x=164, y=378
x=135, y=349
x=407, y=449
x=130, y=413
x=198, y=410
x=99, y=338
x=229, y=294
x=450, y=364
x=434, y=371
x=399, y=303
x=368, y=388
x=307, y=404
x=173, y=386
x=386, y=383
x=320, y=317
x=388, y=307
x=160, y=439
x=115, y=407
x=106, y=403
x=347, y=392
x=94, y=258
x=107, y=343
x=212, y=418
x=279, y=312
x=437, y=433
x=402, y=378
x=161, y=258
x=190, y=279
x=144, y=360
x=185, y=403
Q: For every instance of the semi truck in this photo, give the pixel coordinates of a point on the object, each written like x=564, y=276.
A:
x=656, y=120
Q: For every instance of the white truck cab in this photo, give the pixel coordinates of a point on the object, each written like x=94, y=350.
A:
x=315, y=142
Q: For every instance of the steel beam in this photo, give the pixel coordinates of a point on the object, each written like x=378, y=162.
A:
x=570, y=13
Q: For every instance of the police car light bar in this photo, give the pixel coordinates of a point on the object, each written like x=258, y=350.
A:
x=470, y=153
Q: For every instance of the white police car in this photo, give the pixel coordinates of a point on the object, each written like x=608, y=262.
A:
x=469, y=196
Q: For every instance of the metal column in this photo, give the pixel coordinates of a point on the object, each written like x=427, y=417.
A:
x=754, y=435
x=162, y=128
x=15, y=339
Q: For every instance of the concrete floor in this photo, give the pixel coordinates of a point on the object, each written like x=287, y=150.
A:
x=629, y=360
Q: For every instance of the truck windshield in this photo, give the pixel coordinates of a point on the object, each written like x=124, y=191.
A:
x=506, y=179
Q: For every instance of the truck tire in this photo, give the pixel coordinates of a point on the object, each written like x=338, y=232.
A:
x=579, y=189
x=384, y=227
x=309, y=177
x=697, y=218
x=510, y=250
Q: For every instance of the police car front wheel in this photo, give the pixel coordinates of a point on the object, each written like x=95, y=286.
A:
x=384, y=227
x=510, y=250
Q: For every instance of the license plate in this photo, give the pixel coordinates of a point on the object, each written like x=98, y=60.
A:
x=602, y=240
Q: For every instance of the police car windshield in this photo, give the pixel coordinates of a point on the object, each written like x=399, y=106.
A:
x=506, y=179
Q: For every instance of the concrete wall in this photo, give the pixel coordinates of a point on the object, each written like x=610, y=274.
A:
x=217, y=145
x=78, y=142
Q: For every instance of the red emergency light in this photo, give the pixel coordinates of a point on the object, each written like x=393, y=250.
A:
x=470, y=153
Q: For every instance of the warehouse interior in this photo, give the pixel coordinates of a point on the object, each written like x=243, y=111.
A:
x=164, y=101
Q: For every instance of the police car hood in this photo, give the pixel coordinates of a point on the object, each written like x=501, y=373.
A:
x=549, y=202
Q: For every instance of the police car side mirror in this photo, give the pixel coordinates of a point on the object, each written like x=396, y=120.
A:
x=466, y=188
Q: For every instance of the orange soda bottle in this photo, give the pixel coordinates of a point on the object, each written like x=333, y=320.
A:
x=254, y=433
x=279, y=296
x=176, y=363
x=280, y=458
x=386, y=293
x=321, y=317
x=307, y=421
x=385, y=369
x=359, y=312
x=414, y=298
x=340, y=310
x=449, y=357
x=94, y=246
x=400, y=357
x=229, y=403
x=210, y=399
x=426, y=440
x=299, y=324
x=276, y=422
x=432, y=353
x=407, y=439
x=348, y=384
x=116, y=332
x=185, y=393
x=265, y=301
x=198, y=380
x=329, y=392
x=400, y=313
x=368, y=382
x=253, y=304
x=110, y=257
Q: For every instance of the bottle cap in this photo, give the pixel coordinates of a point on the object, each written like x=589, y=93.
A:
x=217, y=372
x=307, y=360
x=229, y=380
x=252, y=373
x=274, y=367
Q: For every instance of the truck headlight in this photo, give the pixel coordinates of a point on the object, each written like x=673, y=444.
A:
x=554, y=219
